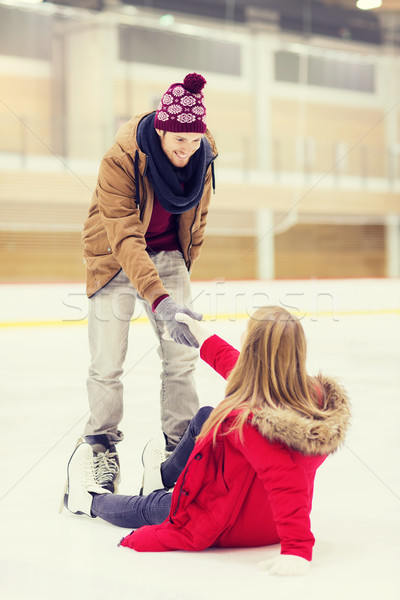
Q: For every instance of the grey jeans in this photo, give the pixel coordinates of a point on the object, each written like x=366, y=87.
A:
x=110, y=312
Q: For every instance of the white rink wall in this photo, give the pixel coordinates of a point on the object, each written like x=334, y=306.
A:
x=23, y=303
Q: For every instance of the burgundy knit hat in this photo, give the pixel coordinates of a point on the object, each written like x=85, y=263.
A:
x=181, y=108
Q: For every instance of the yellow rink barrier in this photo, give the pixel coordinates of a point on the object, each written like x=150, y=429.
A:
x=208, y=318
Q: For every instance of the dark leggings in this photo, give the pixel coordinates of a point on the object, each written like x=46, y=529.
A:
x=136, y=511
x=174, y=465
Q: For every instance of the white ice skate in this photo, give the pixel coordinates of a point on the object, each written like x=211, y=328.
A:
x=82, y=481
x=152, y=457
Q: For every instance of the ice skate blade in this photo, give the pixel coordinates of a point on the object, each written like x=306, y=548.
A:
x=65, y=492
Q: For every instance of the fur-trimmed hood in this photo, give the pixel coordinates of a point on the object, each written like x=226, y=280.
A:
x=302, y=433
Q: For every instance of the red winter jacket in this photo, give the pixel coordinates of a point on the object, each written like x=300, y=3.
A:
x=254, y=493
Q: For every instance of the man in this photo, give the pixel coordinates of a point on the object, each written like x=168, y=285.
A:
x=144, y=230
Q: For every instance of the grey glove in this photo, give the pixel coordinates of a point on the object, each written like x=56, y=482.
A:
x=179, y=332
x=198, y=331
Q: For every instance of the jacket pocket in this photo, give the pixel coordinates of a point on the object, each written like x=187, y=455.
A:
x=97, y=244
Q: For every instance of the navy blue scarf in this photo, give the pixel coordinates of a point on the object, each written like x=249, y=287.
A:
x=178, y=189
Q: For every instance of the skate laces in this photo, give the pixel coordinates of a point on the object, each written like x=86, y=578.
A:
x=152, y=458
x=157, y=457
x=105, y=466
x=88, y=475
x=153, y=455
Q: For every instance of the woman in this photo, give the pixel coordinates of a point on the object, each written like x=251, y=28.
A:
x=249, y=479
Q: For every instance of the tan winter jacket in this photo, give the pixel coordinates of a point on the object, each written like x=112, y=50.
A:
x=114, y=232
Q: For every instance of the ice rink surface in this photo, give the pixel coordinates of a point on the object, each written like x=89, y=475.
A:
x=353, y=333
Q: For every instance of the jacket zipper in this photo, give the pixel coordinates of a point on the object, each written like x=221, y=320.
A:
x=191, y=238
x=141, y=209
x=195, y=214
x=181, y=491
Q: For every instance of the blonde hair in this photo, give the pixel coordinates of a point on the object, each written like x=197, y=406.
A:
x=270, y=372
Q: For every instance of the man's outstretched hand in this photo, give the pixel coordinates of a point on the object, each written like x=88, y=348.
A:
x=179, y=331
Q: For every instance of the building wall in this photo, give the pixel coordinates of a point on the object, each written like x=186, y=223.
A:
x=293, y=145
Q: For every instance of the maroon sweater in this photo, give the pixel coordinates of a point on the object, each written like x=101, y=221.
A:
x=162, y=232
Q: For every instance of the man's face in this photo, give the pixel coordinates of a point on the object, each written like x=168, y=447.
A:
x=179, y=147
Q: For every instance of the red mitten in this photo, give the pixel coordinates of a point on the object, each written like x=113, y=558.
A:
x=144, y=539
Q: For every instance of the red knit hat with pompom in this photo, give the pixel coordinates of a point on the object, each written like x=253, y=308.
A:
x=181, y=108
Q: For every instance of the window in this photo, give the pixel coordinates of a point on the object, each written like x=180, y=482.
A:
x=326, y=72
x=174, y=50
